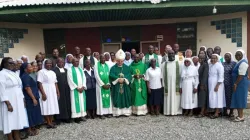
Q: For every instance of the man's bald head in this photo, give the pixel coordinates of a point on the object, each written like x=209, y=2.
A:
x=75, y=62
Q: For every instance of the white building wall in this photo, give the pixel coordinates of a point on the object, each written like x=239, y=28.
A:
x=31, y=44
x=208, y=36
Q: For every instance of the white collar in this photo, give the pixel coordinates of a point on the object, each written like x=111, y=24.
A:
x=87, y=70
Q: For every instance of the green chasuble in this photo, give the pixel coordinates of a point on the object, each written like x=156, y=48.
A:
x=147, y=61
x=103, y=72
x=120, y=99
x=138, y=86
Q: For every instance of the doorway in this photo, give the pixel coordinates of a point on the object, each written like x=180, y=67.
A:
x=111, y=47
x=144, y=45
x=127, y=46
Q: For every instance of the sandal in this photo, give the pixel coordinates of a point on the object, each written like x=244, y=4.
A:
x=33, y=133
x=152, y=113
x=214, y=116
x=24, y=135
x=36, y=132
x=51, y=126
x=231, y=116
x=200, y=116
x=186, y=113
x=190, y=114
x=238, y=119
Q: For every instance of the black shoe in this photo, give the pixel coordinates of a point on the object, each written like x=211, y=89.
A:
x=82, y=119
x=77, y=120
x=109, y=116
x=102, y=117
x=58, y=122
x=88, y=117
x=67, y=121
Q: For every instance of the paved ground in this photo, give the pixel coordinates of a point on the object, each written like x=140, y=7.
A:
x=148, y=127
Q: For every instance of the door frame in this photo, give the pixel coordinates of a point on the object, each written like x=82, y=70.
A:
x=103, y=44
x=154, y=41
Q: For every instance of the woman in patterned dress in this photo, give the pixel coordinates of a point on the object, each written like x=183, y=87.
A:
x=228, y=68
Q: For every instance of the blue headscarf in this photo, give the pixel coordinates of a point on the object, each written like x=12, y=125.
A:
x=22, y=68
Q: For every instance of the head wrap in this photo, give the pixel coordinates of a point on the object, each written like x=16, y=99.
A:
x=187, y=51
x=190, y=60
x=44, y=63
x=22, y=68
x=218, y=57
x=195, y=57
x=204, y=47
x=19, y=60
x=107, y=54
x=243, y=53
x=66, y=58
x=128, y=53
x=94, y=53
x=232, y=57
x=190, y=70
x=24, y=56
x=120, y=55
x=169, y=47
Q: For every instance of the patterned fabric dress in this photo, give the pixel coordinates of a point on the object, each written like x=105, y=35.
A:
x=228, y=81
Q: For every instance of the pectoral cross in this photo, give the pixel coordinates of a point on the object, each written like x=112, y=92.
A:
x=139, y=79
x=121, y=75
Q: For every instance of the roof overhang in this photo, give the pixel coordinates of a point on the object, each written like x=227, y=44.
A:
x=114, y=11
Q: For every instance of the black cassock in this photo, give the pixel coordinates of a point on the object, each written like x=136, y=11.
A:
x=64, y=100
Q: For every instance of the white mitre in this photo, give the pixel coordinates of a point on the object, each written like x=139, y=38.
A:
x=120, y=55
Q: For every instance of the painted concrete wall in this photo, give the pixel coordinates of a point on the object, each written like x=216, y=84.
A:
x=30, y=45
x=208, y=36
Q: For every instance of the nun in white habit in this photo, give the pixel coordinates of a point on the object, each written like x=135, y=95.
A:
x=216, y=85
x=108, y=60
x=188, y=84
x=68, y=61
x=13, y=115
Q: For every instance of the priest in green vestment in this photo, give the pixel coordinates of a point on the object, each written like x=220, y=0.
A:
x=120, y=76
x=150, y=55
x=77, y=83
x=138, y=87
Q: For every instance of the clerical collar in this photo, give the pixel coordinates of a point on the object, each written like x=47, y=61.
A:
x=88, y=70
x=61, y=69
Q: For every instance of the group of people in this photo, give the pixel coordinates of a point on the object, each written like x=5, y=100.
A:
x=120, y=84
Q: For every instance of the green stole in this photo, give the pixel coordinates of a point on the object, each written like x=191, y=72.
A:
x=147, y=61
x=139, y=85
x=76, y=93
x=104, y=76
x=177, y=84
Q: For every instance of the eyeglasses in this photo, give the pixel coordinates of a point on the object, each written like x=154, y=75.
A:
x=186, y=62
